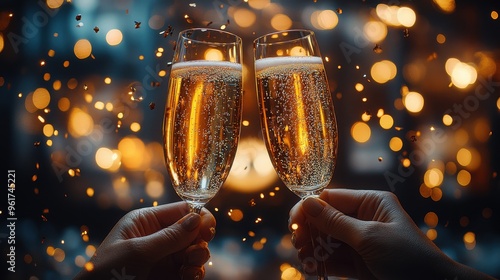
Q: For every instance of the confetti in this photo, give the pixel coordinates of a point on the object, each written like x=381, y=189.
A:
x=96, y=29
x=380, y=159
x=339, y=11
x=78, y=17
x=377, y=49
x=152, y=105
x=85, y=87
x=80, y=24
x=36, y=144
x=406, y=33
x=167, y=32
x=137, y=24
x=192, y=5
x=252, y=202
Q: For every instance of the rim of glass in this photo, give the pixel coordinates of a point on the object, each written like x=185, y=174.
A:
x=237, y=39
x=306, y=32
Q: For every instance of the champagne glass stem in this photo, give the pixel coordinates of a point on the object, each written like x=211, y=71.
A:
x=195, y=208
x=320, y=259
x=321, y=270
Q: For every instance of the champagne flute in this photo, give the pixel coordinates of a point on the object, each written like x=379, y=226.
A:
x=201, y=126
x=296, y=111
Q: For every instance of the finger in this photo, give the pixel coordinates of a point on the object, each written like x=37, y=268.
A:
x=301, y=236
x=208, y=223
x=333, y=222
x=341, y=262
x=171, y=239
x=197, y=255
x=296, y=217
x=169, y=213
x=192, y=273
x=362, y=204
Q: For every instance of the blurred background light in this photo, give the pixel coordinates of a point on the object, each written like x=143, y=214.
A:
x=85, y=83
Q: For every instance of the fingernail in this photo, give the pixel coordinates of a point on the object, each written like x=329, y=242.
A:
x=191, y=221
x=312, y=206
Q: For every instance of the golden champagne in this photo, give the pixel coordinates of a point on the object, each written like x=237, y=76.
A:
x=298, y=121
x=201, y=126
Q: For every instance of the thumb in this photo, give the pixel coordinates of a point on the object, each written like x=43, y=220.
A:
x=173, y=238
x=332, y=222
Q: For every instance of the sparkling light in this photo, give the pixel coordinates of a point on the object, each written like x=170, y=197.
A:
x=433, y=177
x=360, y=132
x=386, y=121
x=54, y=4
x=375, y=31
x=48, y=130
x=114, y=37
x=244, y=17
x=396, y=144
x=107, y=158
x=470, y=240
x=82, y=48
x=413, y=101
x=41, y=98
x=464, y=157
x=80, y=123
x=462, y=74
x=325, y=20
x=213, y=54
x=494, y=14
x=440, y=38
x=1, y=42
x=431, y=219
x=388, y=14
x=463, y=178
x=447, y=120
x=251, y=161
x=132, y=151
x=446, y=6
x=281, y=22
x=383, y=71
x=259, y=4
x=406, y=16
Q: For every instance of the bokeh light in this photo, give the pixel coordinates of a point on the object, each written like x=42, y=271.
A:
x=244, y=17
x=360, y=132
x=375, y=31
x=82, y=48
x=114, y=37
x=447, y=6
x=1, y=42
x=80, y=123
x=413, y=101
x=54, y=4
x=324, y=20
x=41, y=98
x=383, y=71
x=281, y=22
x=85, y=85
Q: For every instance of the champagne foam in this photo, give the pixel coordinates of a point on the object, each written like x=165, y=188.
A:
x=206, y=63
x=267, y=62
